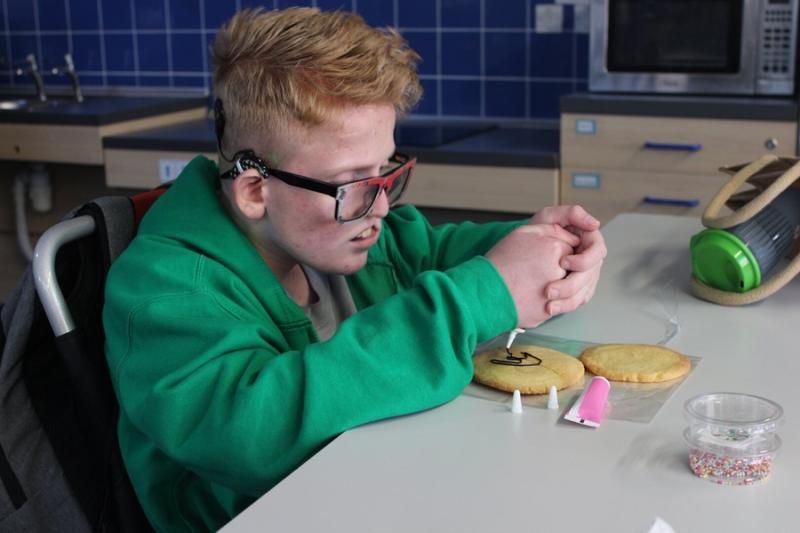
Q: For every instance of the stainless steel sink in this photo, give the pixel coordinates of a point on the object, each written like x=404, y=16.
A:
x=32, y=105
x=11, y=105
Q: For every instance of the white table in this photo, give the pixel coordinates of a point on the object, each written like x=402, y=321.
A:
x=471, y=465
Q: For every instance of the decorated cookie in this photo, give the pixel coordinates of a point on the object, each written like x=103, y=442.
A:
x=530, y=369
x=639, y=363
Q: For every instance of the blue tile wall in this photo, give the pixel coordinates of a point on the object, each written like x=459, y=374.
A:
x=83, y=15
x=116, y=15
x=417, y=14
x=505, y=99
x=461, y=13
x=52, y=15
x=461, y=53
x=480, y=58
x=184, y=14
x=21, y=14
x=505, y=50
x=150, y=14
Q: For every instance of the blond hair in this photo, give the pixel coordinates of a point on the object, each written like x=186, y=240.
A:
x=300, y=64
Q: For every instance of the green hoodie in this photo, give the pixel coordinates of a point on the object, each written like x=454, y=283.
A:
x=224, y=387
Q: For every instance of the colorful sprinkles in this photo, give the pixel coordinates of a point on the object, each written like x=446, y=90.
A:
x=728, y=469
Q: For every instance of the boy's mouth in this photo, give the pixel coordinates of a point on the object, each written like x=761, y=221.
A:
x=366, y=234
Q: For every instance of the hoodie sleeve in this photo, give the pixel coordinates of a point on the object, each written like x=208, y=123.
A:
x=216, y=386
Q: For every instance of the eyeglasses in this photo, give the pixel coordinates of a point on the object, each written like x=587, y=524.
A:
x=354, y=199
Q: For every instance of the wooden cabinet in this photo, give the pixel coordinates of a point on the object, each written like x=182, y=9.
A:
x=612, y=164
x=57, y=143
x=144, y=169
x=489, y=188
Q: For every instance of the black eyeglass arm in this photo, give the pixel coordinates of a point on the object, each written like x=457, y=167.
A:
x=247, y=159
x=305, y=183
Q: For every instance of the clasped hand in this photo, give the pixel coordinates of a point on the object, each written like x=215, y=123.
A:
x=552, y=264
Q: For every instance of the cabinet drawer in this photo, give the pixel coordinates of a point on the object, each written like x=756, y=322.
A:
x=51, y=143
x=509, y=189
x=676, y=144
x=83, y=145
x=141, y=169
x=620, y=191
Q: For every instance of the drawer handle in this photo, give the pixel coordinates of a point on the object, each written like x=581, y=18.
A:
x=673, y=146
x=655, y=200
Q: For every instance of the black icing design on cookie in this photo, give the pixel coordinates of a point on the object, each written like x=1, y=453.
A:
x=513, y=360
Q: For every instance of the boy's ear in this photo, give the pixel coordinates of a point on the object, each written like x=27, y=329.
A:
x=249, y=194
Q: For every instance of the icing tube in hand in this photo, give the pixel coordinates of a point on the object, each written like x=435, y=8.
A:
x=590, y=405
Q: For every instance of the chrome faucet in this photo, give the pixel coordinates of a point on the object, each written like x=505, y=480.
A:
x=69, y=70
x=33, y=71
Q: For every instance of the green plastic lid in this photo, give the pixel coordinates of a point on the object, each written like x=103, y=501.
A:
x=721, y=260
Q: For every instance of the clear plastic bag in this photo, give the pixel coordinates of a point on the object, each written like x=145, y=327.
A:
x=634, y=402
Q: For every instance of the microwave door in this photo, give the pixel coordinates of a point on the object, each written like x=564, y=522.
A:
x=673, y=46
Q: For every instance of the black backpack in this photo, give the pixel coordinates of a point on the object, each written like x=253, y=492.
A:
x=60, y=463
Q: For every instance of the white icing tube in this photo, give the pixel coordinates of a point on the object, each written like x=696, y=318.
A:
x=513, y=335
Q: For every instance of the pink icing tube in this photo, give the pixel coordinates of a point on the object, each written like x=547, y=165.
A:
x=590, y=406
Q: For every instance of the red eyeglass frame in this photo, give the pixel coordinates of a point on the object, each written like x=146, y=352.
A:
x=247, y=159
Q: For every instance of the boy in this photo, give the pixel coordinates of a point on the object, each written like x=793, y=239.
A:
x=272, y=302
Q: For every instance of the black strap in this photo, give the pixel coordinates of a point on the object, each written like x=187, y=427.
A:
x=2, y=328
x=219, y=127
x=11, y=482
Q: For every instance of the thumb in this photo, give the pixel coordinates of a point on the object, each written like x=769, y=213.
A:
x=555, y=231
x=573, y=215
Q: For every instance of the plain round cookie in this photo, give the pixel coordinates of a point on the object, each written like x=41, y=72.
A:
x=638, y=363
x=556, y=368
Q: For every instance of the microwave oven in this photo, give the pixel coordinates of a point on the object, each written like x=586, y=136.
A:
x=693, y=46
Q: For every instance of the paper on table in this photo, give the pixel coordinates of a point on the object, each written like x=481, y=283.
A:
x=660, y=526
x=634, y=402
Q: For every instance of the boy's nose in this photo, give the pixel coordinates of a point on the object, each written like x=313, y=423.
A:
x=381, y=206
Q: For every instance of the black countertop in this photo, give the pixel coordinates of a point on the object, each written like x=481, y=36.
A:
x=743, y=108
x=95, y=110
x=193, y=136
x=513, y=144
x=431, y=142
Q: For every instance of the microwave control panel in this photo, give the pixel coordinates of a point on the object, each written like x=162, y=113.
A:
x=776, y=54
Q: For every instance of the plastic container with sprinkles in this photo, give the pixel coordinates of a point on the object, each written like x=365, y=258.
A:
x=731, y=437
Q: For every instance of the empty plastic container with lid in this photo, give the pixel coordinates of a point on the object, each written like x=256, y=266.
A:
x=732, y=437
x=737, y=259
